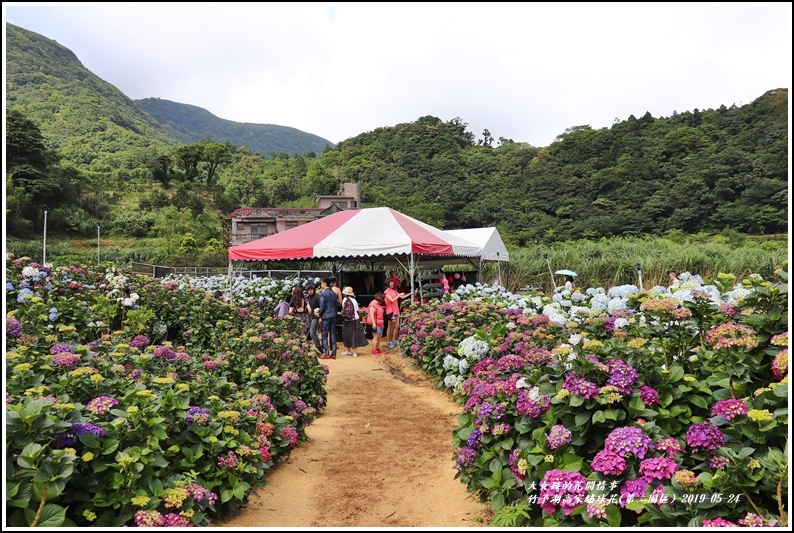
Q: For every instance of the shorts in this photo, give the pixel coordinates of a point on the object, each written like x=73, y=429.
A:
x=387, y=317
x=379, y=331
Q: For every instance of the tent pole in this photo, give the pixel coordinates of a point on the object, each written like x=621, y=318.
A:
x=229, y=284
x=411, y=265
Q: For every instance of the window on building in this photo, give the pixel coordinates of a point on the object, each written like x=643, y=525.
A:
x=289, y=224
x=240, y=226
x=343, y=205
x=258, y=230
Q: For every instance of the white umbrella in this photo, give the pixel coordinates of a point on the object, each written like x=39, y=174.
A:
x=566, y=272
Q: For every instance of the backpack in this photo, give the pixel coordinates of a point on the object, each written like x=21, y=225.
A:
x=348, y=312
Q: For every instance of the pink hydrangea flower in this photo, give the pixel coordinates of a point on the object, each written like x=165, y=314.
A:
x=658, y=468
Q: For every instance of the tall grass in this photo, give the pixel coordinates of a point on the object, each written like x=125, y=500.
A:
x=610, y=262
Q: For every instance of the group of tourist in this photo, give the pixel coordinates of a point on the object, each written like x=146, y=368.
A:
x=320, y=312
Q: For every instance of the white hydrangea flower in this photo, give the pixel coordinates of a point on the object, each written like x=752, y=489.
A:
x=599, y=301
x=473, y=347
x=551, y=311
x=463, y=366
x=450, y=362
x=616, y=304
x=736, y=295
x=578, y=297
x=622, y=291
x=621, y=322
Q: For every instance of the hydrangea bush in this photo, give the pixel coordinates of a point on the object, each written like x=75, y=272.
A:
x=622, y=407
x=134, y=402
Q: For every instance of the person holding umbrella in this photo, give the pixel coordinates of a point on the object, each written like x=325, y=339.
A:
x=568, y=276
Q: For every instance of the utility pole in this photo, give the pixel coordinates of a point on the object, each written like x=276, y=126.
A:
x=97, y=244
x=44, y=242
x=548, y=264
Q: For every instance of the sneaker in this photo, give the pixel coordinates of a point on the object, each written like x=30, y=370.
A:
x=375, y=352
x=346, y=353
x=393, y=344
x=354, y=354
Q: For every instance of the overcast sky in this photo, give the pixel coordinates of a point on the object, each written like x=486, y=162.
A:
x=524, y=71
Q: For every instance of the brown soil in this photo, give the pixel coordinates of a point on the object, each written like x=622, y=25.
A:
x=380, y=455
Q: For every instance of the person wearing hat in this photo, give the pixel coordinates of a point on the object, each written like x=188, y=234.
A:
x=352, y=332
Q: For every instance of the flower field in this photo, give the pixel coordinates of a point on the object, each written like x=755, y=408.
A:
x=660, y=408
x=132, y=402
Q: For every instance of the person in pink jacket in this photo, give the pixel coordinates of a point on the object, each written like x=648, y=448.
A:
x=376, y=312
x=392, y=314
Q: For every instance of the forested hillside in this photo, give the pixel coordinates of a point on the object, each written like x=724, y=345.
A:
x=87, y=120
x=190, y=124
x=710, y=170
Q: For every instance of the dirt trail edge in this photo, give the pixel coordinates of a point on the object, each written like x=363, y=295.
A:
x=379, y=456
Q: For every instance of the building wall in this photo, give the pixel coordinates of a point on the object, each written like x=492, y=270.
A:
x=244, y=228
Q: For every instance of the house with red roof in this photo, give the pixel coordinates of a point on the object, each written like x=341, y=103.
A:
x=252, y=223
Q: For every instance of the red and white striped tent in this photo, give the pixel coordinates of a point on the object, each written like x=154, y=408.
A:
x=378, y=233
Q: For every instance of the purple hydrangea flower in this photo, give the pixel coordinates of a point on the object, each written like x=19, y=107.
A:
x=69, y=437
x=140, y=341
x=670, y=446
x=581, y=387
x=658, y=468
x=557, y=436
x=608, y=462
x=704, y=436
x=149, y=518
x=101, y=405
x=65, y=359
x=290, y=433
x=532, y=402
x=627, y=440
x=623, y=376
x=491, y=410
x=633, y=489
x=521, y=474
x=61, y=347
x=729, y=409
x=165, y=352
x=718, y=522
x=198, y=415
x=13, y=328
x=466, y=457
x=474, y=438
x=649, y=395
x=566, y=488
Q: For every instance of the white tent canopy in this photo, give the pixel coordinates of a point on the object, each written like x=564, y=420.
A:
x=492, y=247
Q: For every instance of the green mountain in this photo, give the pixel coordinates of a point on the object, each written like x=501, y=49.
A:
x=90, y=122
x=96, y=127
x=190, y=124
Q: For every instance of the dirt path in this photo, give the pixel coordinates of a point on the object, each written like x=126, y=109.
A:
x=379, y=456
